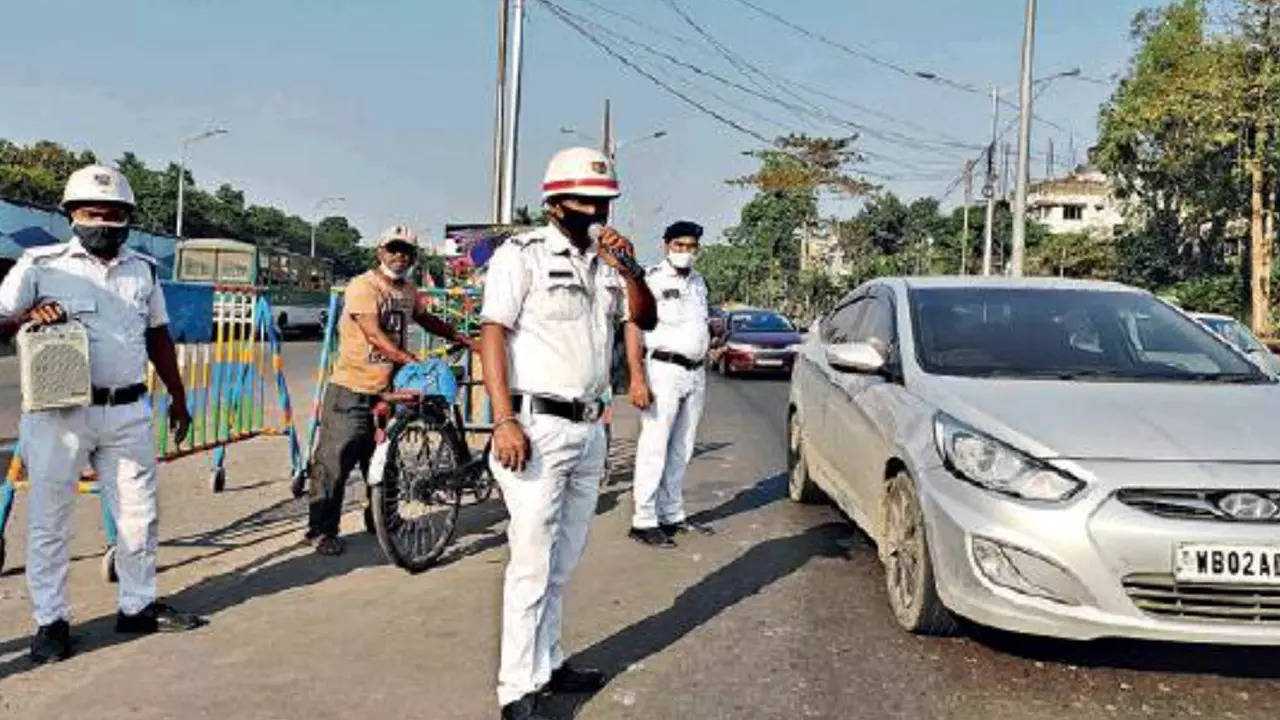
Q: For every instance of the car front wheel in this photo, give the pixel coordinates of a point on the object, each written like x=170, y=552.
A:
x=909, y=579
x=800, y=487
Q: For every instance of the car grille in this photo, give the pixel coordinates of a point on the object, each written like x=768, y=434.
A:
x=1160, y=596
x=1191, y=504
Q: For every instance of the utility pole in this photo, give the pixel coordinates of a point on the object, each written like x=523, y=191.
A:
x=1005, y=153
x=500, y=112
x=1049, y=164
x=968, y=200
x=607, y=146
x=989, y=188
x=1024, y=144
x=513, y=115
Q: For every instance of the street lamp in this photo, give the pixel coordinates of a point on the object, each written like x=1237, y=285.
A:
x=182, y=168
x=315, y=212
x=618, y=147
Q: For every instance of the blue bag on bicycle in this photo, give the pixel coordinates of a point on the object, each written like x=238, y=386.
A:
x=433, y=377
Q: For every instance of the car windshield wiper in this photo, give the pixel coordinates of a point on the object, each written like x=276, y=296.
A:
x=1230, y=378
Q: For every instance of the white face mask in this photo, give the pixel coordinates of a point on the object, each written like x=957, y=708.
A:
x=392, y=274
x=680, y=260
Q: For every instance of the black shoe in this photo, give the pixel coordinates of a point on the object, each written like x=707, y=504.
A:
x=51, y=643
x=569, y=679
x=329, y=546
x=652, y=537
x=526, y=708
x=684, y=526
x=158, y=617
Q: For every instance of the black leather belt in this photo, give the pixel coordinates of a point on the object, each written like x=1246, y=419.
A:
x=119, y=396
x=676, y=359
x=578, y=411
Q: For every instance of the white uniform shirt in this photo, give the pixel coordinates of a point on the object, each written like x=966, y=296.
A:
x=682, y=312
x=560, y=306
x=115, y=301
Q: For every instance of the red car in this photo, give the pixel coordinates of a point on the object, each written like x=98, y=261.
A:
x=758, y=341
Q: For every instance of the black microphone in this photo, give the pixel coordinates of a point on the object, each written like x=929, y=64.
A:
x=595, y=231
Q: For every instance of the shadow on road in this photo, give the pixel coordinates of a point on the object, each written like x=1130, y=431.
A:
x=257, y=578
x=1141, y=655
x=764, y=492
x=749, y=574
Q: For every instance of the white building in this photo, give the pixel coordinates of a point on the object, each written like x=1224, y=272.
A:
x=1081, y=202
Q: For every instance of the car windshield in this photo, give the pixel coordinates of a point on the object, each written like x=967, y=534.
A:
x=1067, y=334
x=1235, y=333
x=761, y=322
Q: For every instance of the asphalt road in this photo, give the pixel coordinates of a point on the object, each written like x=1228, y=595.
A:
x=779, y=615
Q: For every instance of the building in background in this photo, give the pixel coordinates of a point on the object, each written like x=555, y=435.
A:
x=820, y=249
x=1081, y=202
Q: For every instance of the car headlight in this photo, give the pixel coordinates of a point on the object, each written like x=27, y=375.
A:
x=992, y=465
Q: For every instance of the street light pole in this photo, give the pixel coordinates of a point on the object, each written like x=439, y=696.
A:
x=182, y=169
x=315, y=213
x=1024, y=144
x=968, y=200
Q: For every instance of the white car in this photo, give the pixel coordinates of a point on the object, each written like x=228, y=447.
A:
x=1064, y=458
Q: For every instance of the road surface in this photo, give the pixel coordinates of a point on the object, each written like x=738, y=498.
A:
x=779, y=615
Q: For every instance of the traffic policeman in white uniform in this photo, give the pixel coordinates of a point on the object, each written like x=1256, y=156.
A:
x=113, y=291
x=552, y=298
x=669, y=385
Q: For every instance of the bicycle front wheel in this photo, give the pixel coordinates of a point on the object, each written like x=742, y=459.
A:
x=415, y=507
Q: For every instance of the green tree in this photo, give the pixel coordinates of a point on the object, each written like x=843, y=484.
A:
x=37, y=173
x=1189, y=136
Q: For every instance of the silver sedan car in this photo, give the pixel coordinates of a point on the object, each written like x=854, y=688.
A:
x=1072, y=459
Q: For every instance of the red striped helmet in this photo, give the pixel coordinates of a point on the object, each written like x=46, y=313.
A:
x=580, y=171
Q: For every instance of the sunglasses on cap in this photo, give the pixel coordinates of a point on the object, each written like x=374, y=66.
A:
x=401, y=248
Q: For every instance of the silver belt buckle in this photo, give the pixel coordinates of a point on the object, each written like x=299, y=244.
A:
x=591, y=411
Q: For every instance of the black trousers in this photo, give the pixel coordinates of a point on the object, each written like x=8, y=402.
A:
x=346, y=440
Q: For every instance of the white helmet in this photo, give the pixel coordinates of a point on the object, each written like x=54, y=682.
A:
x=97, y=183
x=398, y=233
x=580, y=171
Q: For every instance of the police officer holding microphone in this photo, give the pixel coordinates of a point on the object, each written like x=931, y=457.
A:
x=552, y=299
x=113, y=291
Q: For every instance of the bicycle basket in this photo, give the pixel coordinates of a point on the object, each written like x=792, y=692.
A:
x=432, y=378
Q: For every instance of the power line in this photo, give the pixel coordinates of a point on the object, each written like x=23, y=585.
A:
x=564, y=16
x=784, y=84
x=914, y=144
x=863, y=53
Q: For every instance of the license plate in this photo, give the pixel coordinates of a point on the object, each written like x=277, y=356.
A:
x=768, y=363
x=1232, y=564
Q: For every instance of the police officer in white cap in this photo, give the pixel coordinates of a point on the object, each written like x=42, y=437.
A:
x=669, y=385
x=552, y=299
x=113, y=291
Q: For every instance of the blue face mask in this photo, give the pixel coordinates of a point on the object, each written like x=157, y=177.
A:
x=101, y=239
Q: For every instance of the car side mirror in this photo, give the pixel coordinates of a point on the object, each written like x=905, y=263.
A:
x=858, y=357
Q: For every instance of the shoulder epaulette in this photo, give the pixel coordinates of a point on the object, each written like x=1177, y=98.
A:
x=47, y=252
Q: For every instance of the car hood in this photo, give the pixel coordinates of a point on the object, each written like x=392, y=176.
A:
x=1119, y=421
x=767, y=339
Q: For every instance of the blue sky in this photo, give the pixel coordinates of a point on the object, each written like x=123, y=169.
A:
x=390, y=102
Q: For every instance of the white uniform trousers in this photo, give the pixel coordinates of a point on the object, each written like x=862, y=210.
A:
x=55, y=446
x=551, y=504
x=668, y=430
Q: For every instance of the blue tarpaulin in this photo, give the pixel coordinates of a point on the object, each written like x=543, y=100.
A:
x=26, y=226
x=190, y=311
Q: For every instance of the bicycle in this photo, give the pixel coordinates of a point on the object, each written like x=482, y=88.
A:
x=420, y=469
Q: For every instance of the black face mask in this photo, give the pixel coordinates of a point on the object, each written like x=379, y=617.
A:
x=101, y=239
x=575, y=223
